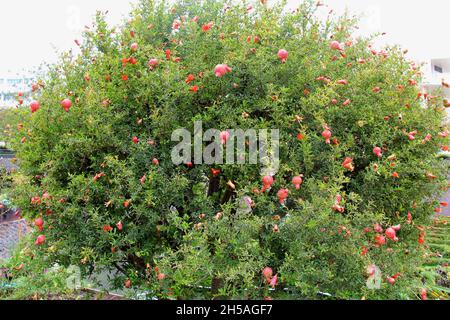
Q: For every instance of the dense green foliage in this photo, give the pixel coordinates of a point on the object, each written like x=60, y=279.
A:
x=84, y=173
x=5, y=118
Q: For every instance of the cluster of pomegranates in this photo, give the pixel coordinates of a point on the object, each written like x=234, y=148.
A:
x=282, y=194
x=270, y=279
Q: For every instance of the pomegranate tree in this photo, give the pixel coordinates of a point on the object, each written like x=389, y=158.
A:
x=358, y=139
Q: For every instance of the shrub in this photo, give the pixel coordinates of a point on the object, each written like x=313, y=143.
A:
x=106, y=203
x=3, y=123
x=27, y=278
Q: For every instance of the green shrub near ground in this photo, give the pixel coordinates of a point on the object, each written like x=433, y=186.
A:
x=5, y=119
x=83, y=171
x=25, y=278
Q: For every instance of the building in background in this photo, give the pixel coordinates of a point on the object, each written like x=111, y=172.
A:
x=437, y=77
x=10, y=86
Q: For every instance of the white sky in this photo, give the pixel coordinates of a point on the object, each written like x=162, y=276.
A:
x=31, y=29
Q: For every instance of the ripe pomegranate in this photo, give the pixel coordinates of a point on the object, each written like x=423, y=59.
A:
x=40, y=240
x=380, y=240
x=176, y=24
x=391, y=234
x=119, y=226
x=66, y=104
x=215, y=172
x=134, y=47
x=207, y=27
x=133, y=61
x=274, y=281
x=326, y=134
x=161, y=276
x=348, y=164
x=221, y=70
x=36, y=200
x=283, y=55
x=297, y=181
x=155, y=161
x=189, y=79
x=39, y=223
x=412, y=135
x=337, y=205
x=153, y=62
x=283, y=195
x=267, y=273
x=391, y=280
x=34, y=106
x=267, y=182
x=135, y=140
x=423, y=294
x=378, y=152
x=335, y=45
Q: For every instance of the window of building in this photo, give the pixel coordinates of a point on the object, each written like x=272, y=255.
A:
x=438, y=69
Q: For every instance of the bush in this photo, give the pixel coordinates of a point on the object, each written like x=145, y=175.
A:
x=33, y=279
x=106, y=202
x=6, y=116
